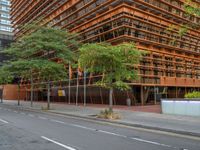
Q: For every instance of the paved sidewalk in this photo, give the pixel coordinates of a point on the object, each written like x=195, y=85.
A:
x=178, y=124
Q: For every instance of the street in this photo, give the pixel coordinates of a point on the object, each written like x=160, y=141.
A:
x=28, y=130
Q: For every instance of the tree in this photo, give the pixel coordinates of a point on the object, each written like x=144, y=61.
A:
x=115, y=63
x=36, y=56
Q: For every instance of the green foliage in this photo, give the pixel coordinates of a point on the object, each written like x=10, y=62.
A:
x=44, y=40
x=194, y=94
x=5, y=76
x=108, y=114
x=183, y=30
x=30, y=54
x=192, y=8
x=42, y=69
x=116, y=63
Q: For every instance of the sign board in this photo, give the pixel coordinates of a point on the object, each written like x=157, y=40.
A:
x=61, y=93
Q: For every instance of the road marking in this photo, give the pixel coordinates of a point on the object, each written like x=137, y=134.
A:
x=22, y=113
x=57, y=121
x=3, y=121
x=83, y=127
x=111, y=133
x=15, y=111
x=30, y=115
x=151, y=142
x=42, y=118
x=119, y=135
x=60, y=144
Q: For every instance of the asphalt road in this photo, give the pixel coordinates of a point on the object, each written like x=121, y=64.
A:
x=27, y=130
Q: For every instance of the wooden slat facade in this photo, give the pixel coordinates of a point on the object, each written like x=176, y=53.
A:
x=172, y=60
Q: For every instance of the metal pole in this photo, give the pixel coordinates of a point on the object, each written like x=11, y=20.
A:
x=69, y=85
x=85, y=87
x=77, y=88
x=155, y=100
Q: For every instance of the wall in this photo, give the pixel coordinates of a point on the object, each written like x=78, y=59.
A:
x=181, y=107
x=10, y=92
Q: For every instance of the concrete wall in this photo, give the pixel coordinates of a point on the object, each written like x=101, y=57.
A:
x=10, y=92
x=181, y=107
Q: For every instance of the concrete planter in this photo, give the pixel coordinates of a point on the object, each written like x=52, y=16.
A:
x=188, y=107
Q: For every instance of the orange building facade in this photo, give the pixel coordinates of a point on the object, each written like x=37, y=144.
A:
x=171, y=67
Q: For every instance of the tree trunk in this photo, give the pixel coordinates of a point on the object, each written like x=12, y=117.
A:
x=77, y=88
x=18, y=96
x=111, y=98
x=2, y=94
x=85, y=87
x=31, y=90
x=48, y=95
x=69, y=85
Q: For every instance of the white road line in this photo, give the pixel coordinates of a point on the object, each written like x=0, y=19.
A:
x=3, y=121
x=22, y=113
x=60, y=144
x=151, y=142
x=57, y=121
x=82, y=127
x=111, y=133
x=30, y=115
x=42, y=118
x=15, y=111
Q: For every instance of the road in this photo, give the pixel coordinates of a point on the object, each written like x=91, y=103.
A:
x=27, y=130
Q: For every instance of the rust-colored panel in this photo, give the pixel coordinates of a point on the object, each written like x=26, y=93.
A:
x=10, y=92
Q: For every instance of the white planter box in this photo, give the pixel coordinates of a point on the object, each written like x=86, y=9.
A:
x=181, y=107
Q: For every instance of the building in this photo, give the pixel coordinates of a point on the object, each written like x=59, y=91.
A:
x=172, y=65
x=6, y=35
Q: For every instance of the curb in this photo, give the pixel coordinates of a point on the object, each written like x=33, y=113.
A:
x=131, y=124
x=100, y=120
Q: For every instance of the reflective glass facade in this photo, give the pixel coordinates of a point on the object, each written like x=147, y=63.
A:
x=6, y=35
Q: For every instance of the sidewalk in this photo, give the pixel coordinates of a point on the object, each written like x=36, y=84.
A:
x=131, y=116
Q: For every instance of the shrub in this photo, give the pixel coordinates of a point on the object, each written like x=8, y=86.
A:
x=194, y=94
x=108, y=114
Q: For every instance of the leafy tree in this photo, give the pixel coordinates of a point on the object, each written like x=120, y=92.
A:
x=43, y=42
x=115, y=63
x=36, y=55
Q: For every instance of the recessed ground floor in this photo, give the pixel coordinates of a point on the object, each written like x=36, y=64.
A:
x=137, y=95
